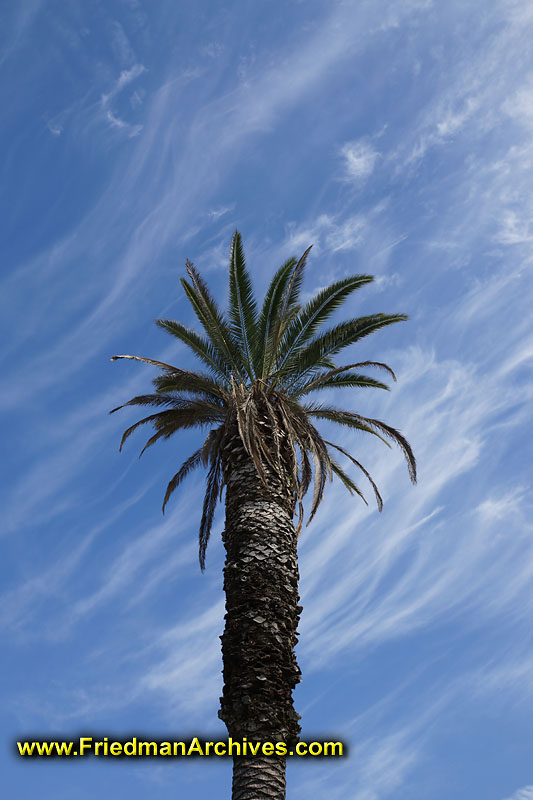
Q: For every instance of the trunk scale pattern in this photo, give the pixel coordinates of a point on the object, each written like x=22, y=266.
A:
x=262, y=613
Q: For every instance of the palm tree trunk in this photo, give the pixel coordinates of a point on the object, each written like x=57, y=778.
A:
x=262, y=613
x=258, y=777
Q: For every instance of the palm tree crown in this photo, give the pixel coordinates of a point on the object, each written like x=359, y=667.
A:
x=261, y=365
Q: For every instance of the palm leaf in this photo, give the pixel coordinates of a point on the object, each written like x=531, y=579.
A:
x=379, y=499
x=285, y=312
x=212, y=320
x=191, y=463
x=399, y=439
x=213, y=489
x=343, y=418
x=269, y=312
x=343, y=379
x=242, y=308
x=154, y=400
x=315, y=381
x=164, y=433
x=309, y=437
x=200, y=346
x=160, y=364
x=347, y=481
x=152, y=418
x=198, y=458
x=194, y=382
x=317, y=311
x=197, y=413
x=371, y=426
x=336, y=339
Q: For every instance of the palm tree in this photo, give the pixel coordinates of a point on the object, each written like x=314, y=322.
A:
x=254, y=397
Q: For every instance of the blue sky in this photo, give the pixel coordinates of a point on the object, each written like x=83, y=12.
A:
x=397, y=139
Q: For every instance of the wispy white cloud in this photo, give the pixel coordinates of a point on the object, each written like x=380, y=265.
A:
x=453, y=121
x=116, y=122
x=359, y=160
x=394, y=279
x=54, y=128
x=476, y=92
x=216, y=213
x=503, y=506
x=124, y=79
x=326, y=233
x=514, y=229
x=520, y=105
x=525, y=793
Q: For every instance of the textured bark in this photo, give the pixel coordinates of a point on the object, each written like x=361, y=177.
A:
x=258, y=777
x=262, y=613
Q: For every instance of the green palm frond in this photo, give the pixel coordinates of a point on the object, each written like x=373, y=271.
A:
x=212, y=320
x=342, y=418
x=269, y=313
x=242, y=306
x=314, y=314
x=285, y=314
x=200, y=346
x=342, y=379
x=301, y=385
x=331, y=342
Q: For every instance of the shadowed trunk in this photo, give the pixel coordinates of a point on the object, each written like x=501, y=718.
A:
x=262, y=613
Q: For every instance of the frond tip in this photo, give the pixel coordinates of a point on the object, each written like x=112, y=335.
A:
x=260, y=362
